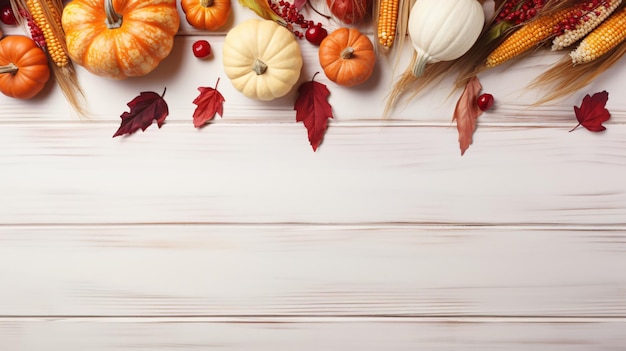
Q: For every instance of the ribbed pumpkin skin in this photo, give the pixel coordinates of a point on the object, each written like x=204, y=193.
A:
x=207, y=18
x=33, y=70
x=347, y=71
x=146, y=36
x=443, y=30
x=266, y=41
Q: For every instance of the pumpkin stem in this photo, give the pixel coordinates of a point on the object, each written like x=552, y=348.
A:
x=10, y=68
x=347, y=53
x=259, y=67
x=420, y=65
x=114, y=19
x=206, y=3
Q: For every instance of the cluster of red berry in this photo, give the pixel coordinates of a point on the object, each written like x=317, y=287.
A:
x=300, y=27
x=519, y=11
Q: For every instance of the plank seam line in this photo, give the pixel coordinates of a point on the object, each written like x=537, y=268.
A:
x=425, y=317
x=416, y=225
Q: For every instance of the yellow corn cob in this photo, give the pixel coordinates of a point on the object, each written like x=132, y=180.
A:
x=40, y=16
x=526, y=37
x=586, y=23
x=387, y=22
x=602, y=39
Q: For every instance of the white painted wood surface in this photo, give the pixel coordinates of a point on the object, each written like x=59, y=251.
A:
x=238, y=236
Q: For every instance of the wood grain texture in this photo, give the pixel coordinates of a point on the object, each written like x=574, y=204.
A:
x=279, y=270
x=268, y=173
x=312, y=334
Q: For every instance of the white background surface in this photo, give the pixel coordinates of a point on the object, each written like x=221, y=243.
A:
x=238, y=236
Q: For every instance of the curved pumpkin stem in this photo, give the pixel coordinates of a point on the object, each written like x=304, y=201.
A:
x=206, y=3
x=347, y=53
x=114, y=19
x=259, y=67
x=10, y=68
x=420, y=65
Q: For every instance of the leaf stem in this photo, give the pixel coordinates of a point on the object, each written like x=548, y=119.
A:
x=573, y=129
x=164, y=89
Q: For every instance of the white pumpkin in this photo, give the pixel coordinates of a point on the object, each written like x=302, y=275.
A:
x=262, y=59
x=443, y=30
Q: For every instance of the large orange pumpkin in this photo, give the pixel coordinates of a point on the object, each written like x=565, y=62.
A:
x=120, y=38
x=206, y=14
x=347, y=56
x=24, y=67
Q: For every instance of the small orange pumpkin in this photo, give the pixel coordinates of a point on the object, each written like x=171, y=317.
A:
x=24, y=68
x=206, y=14
x=347, y=57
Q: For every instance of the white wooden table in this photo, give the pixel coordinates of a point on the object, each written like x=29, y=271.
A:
x=238, y=236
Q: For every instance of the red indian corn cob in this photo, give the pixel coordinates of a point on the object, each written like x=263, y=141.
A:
x=54, y=46
x=601, y=40
x=589, y=15
x=528, y=36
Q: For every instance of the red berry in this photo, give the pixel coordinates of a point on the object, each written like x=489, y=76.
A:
x=315, y=34
x=484, y=102
x=7, y=16
x=201, y=49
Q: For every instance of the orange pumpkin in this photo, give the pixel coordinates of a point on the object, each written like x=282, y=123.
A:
x=24, y=67
x=120, y=38
x=347, y=57
x=206, y=14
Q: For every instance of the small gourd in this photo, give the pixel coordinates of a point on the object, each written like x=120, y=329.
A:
x=120, y=38
x=347, y=56
x=24, y=68
x=206, y=14
x=443, y=30
x=262, y=59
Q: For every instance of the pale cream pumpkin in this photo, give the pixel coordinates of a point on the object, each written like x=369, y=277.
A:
x=262, y=59
x=443, y=30
x=120, y=38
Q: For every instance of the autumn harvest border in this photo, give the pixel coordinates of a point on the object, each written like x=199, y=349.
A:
x=262, y=57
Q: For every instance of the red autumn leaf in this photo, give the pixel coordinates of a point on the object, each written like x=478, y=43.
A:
x=592, y=113
x=210, y=102
x=144, y=109
x=312, y=108
x=466, y=113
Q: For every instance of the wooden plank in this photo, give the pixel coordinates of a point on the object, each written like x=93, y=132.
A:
x=282, y=270
x=312, y=334
x=268, y=173
x=181, y=73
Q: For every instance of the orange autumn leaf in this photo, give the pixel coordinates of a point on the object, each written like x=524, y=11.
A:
x=466, y=113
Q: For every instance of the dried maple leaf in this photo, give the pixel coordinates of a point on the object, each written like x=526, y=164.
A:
x=312, y=108
x=144, y=109
x=592, y=112
x=466, y=113
x=210, y=102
